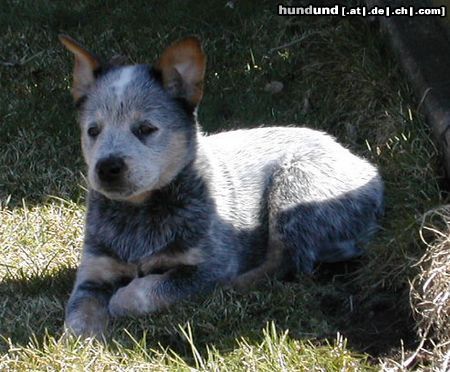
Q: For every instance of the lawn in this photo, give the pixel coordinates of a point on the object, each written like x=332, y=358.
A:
x=338, y=75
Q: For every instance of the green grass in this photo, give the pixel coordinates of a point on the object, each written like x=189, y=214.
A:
x=341, y=77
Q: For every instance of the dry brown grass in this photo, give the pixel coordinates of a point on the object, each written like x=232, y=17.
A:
x=430, y=291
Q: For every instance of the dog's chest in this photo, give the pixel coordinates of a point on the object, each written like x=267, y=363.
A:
x=131, y=232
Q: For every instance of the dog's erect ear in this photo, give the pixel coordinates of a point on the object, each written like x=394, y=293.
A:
x=182, y=67
x=86, y=67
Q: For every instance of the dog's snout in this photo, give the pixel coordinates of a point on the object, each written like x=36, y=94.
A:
x=110, y=169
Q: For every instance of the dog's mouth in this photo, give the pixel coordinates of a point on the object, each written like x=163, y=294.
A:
x=123, y=190
x=125, y=194
x=114, y=192
x=117, y=190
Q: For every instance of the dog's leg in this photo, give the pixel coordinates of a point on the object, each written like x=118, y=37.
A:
x=269, y=268
x=97, y=278
x=318, y=217
x=169, y=259
x=155, y=292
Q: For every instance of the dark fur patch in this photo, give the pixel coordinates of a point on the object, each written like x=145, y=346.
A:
x=93, y=286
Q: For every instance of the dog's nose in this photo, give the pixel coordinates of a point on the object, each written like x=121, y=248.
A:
x=110, y=169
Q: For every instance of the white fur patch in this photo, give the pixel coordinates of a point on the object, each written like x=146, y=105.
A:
x=126, y=74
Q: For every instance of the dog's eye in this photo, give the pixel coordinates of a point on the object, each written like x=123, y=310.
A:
x=144, y=129
x=93, y=131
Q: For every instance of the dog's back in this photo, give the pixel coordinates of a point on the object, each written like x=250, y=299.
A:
x=263, y=175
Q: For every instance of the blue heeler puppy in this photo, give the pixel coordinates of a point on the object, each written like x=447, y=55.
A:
x=172, y=212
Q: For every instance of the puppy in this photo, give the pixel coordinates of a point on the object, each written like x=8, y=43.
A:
x=173, y=212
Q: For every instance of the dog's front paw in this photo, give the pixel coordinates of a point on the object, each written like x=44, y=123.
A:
x=87, y=321
x=127, y=301
x=135, y=299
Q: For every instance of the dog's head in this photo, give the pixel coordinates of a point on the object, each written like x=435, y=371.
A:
x=138, y=125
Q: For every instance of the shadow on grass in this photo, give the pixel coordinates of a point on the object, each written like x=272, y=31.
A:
x=375, y=320
x=31, y=307
x=312, y=308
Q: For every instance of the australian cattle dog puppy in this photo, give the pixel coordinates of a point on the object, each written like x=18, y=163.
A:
x=173, y=212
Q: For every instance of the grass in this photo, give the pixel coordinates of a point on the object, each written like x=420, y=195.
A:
x=431, y=289
x=340, y=77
